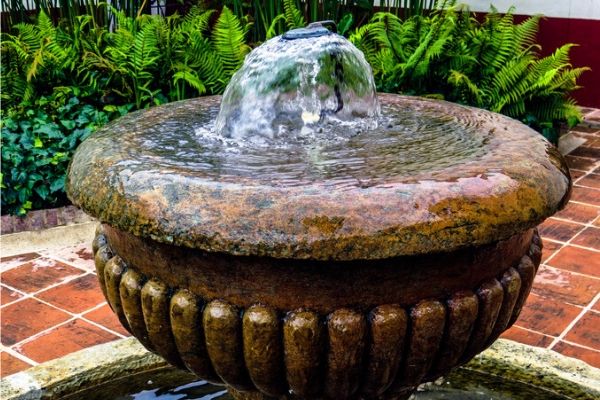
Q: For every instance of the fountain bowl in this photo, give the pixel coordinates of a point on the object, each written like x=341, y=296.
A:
x=353, y=267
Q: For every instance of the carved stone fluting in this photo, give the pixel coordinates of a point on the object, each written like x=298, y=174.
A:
x=263, y=352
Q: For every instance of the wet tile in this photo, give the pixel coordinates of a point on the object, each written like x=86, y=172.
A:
x=586, y=331
x=549, y=248
x=576, y=174
x=76, y=296
x=65, y=339
x=584, y=129
x=580, y=163
x=578, y=260
x=559, y=230
x=591, y=180
x=579, y=213
x=589, y=237
x=521, y=335
x=79, y=255
x=546, y=316
x=11, y=365
x=561, y=285
x=591, y=357
x=26, y=318
x=39, y=274
x=8, y=295
x=585, y=151
x=106, y=317
x=586, y=195
x=7, y=263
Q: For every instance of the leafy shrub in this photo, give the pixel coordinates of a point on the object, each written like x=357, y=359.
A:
x=492, y=64
x=150, y=60
x=38, y=140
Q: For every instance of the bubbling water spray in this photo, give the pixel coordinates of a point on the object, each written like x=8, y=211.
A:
x=308, y=84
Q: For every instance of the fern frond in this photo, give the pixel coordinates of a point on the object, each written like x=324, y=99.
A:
x=293, y=16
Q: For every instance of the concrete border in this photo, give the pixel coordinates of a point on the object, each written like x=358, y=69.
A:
x=86, y=368
x=47, y=239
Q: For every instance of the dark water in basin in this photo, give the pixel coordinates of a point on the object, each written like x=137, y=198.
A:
x=169, y=384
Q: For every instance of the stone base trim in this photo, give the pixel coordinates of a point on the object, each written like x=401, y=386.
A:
x=346, y=354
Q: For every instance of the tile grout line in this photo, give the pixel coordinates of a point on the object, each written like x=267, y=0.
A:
x=574, y=321
x=583, y=203
x=119, y=335
x=568, y=242
x=533, y=330
x=53, y=258
x=571, y=272
x=580, y=345
x=571, y=244
x=73, y=316
x=33, y=294
x=18, y=355
x=584, y=224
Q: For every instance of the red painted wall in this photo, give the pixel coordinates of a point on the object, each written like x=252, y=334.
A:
x=555, y=32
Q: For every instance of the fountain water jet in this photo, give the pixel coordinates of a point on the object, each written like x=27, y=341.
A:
x=329, y=243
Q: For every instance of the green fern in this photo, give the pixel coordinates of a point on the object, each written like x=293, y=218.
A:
x=492, y=64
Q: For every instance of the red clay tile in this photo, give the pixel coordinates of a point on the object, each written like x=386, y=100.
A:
x=547, y=316
x=75, y=296
x=79, y=255
x=578, y=260
x=549, y=248
x=580, y=163
x=579, y=213
x=585, y=151
x=39, y=274
x=106, y=317
x=589, y=237
x=586, y=331
x=570, y=350
x=586, y=195
x=591, y=180
x=65, y=339
x=13, y=261
x=10, y=365
x=596, y=222
x=576, y=174
x=8, y=295
x=559, y=230
x=565, y=286
x=521, y=335
x=27, y=317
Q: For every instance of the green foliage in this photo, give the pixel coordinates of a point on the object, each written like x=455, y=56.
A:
x=38, y=140
x=151, y=60
x=272, y=17
x=492, y=64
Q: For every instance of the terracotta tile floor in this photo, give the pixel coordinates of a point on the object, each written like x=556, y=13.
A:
x=52, y=305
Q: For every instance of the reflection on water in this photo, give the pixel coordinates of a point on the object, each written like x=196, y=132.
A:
x=414, y=139
x=169, y=384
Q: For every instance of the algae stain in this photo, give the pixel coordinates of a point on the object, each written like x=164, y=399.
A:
x=324, y=224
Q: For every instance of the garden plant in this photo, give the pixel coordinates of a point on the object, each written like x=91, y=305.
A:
x=70, y=71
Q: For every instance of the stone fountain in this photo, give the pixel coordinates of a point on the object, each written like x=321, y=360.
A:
x=304, y=237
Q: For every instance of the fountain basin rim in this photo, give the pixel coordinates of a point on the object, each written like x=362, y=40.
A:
x=396, y=218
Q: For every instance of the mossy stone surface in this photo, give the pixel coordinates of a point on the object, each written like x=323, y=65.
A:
x=513, y=180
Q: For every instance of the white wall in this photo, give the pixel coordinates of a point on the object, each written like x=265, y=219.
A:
x=583, y=9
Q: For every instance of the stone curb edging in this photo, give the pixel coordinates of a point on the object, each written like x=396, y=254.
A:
x=43, y=219
x=90, y=367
